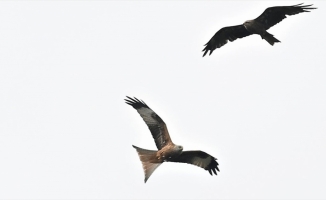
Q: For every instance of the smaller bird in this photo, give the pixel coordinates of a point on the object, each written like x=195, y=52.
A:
x=167, y=150
x=260, y=25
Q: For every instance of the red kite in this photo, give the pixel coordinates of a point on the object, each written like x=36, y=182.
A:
x=167, y=150
x=267, y=19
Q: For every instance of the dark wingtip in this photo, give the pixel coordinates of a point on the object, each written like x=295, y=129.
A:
x=136, y=103
x=305, y=7
x=206, y=50
x=213, y=167
x=298, y=4
x=205, y=53
x=129, y=100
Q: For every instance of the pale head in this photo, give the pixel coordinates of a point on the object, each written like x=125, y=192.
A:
x=178, y=148
x=248, y=22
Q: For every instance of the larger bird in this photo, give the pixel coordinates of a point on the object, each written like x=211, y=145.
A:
x=267, y=19
x=167, y=150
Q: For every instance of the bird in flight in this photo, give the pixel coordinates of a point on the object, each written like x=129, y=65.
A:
x=260, y=25
x=167, y=150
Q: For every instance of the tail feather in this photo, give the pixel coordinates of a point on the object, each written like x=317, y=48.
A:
x=270, y=38
x=148, y=160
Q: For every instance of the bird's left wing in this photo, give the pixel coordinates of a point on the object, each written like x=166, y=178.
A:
x=198, y=158
x=155, y=124
x=222, y=36
x=274, y=15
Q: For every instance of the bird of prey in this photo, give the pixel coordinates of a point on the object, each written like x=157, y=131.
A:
x=267, y=19
x=167, y=150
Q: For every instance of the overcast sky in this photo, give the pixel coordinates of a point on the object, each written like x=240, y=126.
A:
x=66, y=133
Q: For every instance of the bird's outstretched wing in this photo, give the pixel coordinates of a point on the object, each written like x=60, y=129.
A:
x=155, y=124
x=198, y=158
x=274, y=15
x=222, y=36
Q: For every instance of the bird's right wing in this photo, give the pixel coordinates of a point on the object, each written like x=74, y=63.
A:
x=274, y=15
x=198, y=158
x=222, y=36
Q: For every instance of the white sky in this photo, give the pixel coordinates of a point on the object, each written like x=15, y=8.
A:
x=66, y=132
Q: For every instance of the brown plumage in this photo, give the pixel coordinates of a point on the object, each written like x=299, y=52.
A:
x=167, y=150
x=260, y=25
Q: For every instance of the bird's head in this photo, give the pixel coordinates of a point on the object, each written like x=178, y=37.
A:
x=178, y=148
x=247, y=22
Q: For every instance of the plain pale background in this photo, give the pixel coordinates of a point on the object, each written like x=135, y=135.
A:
x=66, y=133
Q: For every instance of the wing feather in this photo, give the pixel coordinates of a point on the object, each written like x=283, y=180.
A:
x=274, y=15
x=198, y=158
x=155, y=124
x=222, y=36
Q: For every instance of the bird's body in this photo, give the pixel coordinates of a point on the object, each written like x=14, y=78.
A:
x=260, y=25
x=167, y=150
x=255, y=27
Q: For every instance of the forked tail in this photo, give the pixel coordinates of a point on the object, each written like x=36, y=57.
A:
x=148, y=160
x=269, y=38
